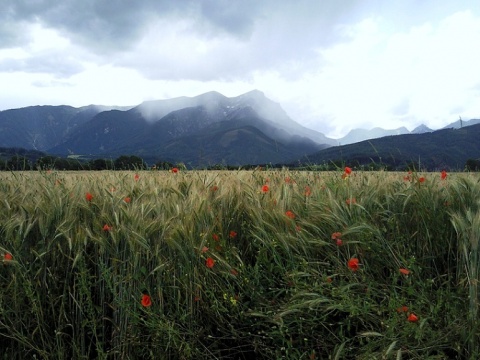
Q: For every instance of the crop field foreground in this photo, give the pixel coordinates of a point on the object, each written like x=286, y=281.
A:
x=239, y=265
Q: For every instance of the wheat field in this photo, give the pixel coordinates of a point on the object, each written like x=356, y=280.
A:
x=265, y=264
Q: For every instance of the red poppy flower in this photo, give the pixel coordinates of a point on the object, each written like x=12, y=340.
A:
x=106, y=227
x=204, y=249
x=348, y=170
x=443, y=175
x=88, y=196
x=146, y=300
x=233, y=234
x=353, y=264
x=290, y=214
x=127, y=200
x=421, y=179
x=265, y=188
x=412, y=317
x=339, y=242
x=406, y=178
x=7, y=257
x=404, y=271
x=215, y=237
x=402, y=309
x=175, y=170
x=214, y=188
x=336, y=235
x=308, y=191
x=209, y=263
x=136, y=177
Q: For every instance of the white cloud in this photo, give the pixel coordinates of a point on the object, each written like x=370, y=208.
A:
x=331, y=66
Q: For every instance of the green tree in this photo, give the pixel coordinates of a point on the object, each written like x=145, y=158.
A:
x=131, y=162
x=18, y=162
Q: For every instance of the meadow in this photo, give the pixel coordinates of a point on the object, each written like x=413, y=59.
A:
x=239, y=265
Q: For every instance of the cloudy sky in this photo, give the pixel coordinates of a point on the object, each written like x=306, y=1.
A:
x=333, y=65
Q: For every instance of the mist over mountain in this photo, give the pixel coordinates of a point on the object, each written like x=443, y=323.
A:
x=357, y=135
x=211, y=129
x=201, y=130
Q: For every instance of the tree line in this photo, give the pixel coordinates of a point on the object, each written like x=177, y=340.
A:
x=123, y=162
x=133, y=162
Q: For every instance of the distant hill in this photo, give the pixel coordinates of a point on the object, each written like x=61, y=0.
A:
x=212, y=129
x=462, y=123
x=42, y=127
x=441, y=149
x=199, y=131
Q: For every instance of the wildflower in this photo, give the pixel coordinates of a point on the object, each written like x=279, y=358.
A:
x=290, y=214
x=7, y=257
x=308, y=191
x=336, y=235
x=353, y=264
x=265, y=188
x=402, y=309
x=421, y=179
x=146, y=300
x=233, y=234
x=443, y=175
x=351, y=201
x=136, y=177
x=406, y=178
x=88, y=196
x=175, y=170
x=348, y=170
x=127, y=200
x=106, y=227
x=404, y=271
x=412, y=318
x=233, y=301
x=204, y=249
x=215, y=237
x=214, y=188
x=209, y=262
x=339, y=242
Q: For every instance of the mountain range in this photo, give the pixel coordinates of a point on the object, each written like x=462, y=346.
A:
x=199, y=131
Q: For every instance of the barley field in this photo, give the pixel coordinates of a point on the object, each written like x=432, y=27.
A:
x=257, y=264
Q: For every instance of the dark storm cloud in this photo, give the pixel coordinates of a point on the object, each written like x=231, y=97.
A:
x=247, y=35
x=59, y=64
x=115, y=25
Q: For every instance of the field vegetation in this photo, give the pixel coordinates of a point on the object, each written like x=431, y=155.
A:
x=239, y=265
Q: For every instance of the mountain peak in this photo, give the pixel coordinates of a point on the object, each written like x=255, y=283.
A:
x=421, y=129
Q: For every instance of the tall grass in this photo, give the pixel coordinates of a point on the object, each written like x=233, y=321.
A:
x=280, y=285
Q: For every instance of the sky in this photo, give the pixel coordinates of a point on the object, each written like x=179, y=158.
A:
x=333, y=65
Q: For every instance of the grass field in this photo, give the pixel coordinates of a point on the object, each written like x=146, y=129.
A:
x=239, y=265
